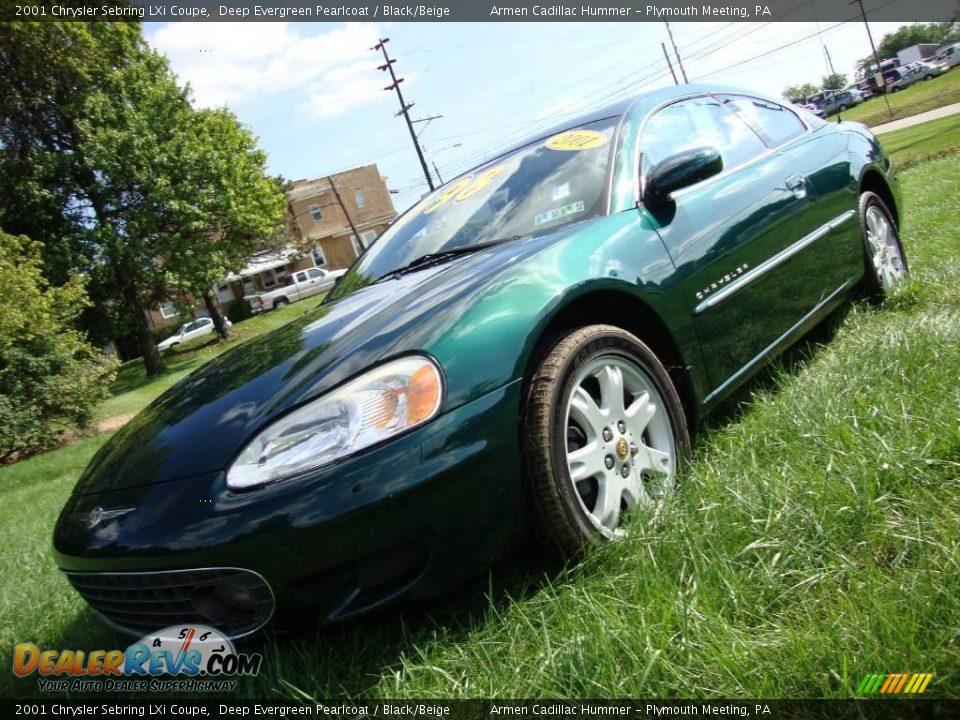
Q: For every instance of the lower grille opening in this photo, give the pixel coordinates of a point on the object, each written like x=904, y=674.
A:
x=237, y=602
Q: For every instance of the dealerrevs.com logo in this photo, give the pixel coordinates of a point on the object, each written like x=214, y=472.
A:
x=189, y=659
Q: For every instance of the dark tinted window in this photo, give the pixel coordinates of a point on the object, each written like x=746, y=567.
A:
x=698, y=122
x=774, y=123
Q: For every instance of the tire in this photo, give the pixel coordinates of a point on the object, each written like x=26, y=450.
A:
x=896, y=89
x=633, y=463
x=280, y=302
x=842, y=108
x=885, y=263
x=928, y=77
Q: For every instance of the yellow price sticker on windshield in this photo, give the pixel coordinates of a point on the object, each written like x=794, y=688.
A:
x=464, y=188
x=576, y=140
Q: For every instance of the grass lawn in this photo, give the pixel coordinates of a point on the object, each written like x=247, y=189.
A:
x=813, y=540
x=917, y=98
x=912, y=145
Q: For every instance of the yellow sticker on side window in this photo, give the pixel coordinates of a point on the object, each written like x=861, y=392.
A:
x=577, y=140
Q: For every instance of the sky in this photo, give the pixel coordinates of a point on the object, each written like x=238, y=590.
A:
x=312, y=94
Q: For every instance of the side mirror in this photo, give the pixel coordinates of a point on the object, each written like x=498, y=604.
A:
x=680, y=171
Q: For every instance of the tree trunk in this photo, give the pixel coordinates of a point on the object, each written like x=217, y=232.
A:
x=152, y=361
x=216, y=313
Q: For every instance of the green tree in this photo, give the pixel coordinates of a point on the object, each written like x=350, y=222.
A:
x=834, y=81
x=103, y=158
x=50, y=377
x=796, y=93
x=907, y=35
x=228, y=205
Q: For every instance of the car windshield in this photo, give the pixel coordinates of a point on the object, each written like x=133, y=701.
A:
x=553, y=182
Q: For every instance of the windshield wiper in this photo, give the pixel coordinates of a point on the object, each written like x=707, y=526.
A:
x=436, y=258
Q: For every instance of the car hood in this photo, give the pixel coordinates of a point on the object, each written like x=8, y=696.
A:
x=202, y=422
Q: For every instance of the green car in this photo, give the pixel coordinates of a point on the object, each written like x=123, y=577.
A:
x=525, y=351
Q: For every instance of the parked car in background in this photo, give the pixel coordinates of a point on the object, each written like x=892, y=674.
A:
x=830, y=102
x=301, y=284
x=862, y=87
x=922, y=70
x=809, y=107
x=526, y=349
x=902, y=78
x=190, y=331
x=891, y=76
x=949, y=56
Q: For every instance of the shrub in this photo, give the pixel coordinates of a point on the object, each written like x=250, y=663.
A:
x=50, y=377
x=238, y=311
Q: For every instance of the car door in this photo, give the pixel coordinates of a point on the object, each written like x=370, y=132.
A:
x=191, y=331
x=733, y=237
x=305, y=287
x=318, y=279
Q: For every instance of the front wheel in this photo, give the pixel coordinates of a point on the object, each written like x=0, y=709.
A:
x=604, y=431
x=886, y=263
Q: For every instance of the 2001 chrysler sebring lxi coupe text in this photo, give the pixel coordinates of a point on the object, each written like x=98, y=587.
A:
x=525, y=348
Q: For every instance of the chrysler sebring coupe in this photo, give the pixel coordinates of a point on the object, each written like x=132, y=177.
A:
x=523, y=353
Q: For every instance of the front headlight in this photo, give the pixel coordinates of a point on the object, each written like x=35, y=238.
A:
x=381, y=403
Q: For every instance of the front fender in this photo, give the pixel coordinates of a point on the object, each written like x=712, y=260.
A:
x=490, y=342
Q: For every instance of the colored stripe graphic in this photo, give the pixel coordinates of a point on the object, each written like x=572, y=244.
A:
x=894, y=683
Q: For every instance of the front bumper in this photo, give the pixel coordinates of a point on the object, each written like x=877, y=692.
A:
x=411, y=518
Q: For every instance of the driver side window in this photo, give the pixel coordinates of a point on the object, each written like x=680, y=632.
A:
x=694, y=123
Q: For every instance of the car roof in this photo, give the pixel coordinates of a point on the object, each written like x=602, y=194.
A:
x=641, y=103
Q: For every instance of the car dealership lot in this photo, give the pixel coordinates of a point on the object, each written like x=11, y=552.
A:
x=816, y=536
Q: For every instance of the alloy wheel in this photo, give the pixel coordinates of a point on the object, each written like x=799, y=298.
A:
x=885, y=252
x=620, y=441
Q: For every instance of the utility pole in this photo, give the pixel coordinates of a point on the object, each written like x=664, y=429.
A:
x=677, y=53
x=437, y=171
x=666, y=56
x=333, y=186
x=404, y=108
x=881, y=80
x=829, y=60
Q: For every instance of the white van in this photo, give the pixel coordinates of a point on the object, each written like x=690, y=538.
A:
x=949, y=56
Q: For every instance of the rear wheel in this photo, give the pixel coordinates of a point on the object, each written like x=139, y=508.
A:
x=280, y=302
x=604, y=431
x=886, y=263
x=842, y=108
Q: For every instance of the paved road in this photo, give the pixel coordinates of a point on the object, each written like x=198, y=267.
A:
x=917, y=119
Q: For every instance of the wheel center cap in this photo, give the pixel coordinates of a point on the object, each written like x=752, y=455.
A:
x=623, y=449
